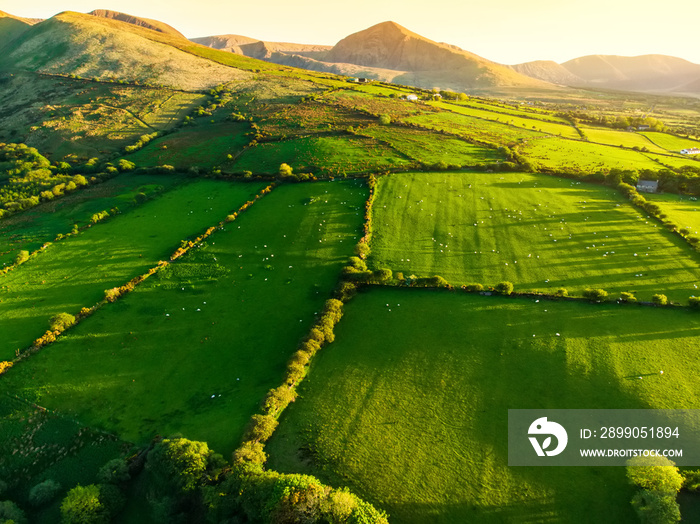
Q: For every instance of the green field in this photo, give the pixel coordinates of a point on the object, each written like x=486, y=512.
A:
x=409, y=406
x=681, y=210
x=375, y=105
x=202, y=146
x=194, y=350
x=563, y=129
x=75, y=272
x=676, y=162
x=324, y=154
x=611, y=137
x=34, y=227
x=671, y=142
x=499, y=107
x=474, y=128
x=539, y=232
x=554, y=154
x=431, y=148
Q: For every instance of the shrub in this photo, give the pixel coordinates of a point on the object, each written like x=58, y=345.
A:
x=362, y=249
x=178, y=465
x=504, y=288
x=595, y=295
x=250, y=452
x=285, y=171
x=9, y=512
x=382, y=275
x=261, y=428
x=474, y=288
x=279, y=398
x=44, y=492
x=654, y=473
x=345, y=291
x=115, y=471
x=384, y=120
x=22, y=257
x=694, y=302
x=691, y=480
x=627, y=297
x=4, y=366
x=654, y=507
x=61, y=322
x=659, y=299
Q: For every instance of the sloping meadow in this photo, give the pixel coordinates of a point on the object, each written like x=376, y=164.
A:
x=194, y=349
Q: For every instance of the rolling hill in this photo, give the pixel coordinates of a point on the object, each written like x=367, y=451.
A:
x=13, y=26
x=154, y=25
x=548, y=71
x=110, y=49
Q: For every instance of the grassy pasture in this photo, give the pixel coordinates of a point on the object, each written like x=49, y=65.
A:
x=611, y=137
x=680, y=210
x=356, y=100
x=221, y=321
x=555, y=153
x=205, y=145
x=35, y=226
x=564, y=129
x=539, y=232
x=431, y=148
x=674, y=161
x=670, y=142
x=493, y=105
x=75, y=272
x=409, y=406
x=330, y=154
x=267, y=94
x=312, y=117
x=474, y=128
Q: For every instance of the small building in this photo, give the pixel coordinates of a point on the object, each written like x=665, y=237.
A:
x=691, y=151
x=648, y=186
x=643, y=128
x=412, y=98
x=363, y=80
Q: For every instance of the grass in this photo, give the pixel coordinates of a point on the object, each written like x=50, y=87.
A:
x=676, y=162
x=474, y=128
x=77, y=119
x=432, y=148
x=75, y=272
x=670, y=142
x=32, y=228
x=612, y=137
x=356, y=100
x=201, y=145
x=493, y=105
x=195, y=350
x=681, y=210
x=312, y=117
x=409, y=406
x=564, y=129
x=321, y=155
x=539, y=232
x=555, y=154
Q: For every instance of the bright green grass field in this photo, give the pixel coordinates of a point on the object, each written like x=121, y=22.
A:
x=474, y=128
x=611, y=137
x=75, y=272
x=537, y=231
x=409, y=406
x=555, y=153
x=564, y=129
x=493, y=105
x=32, y=228
x=330, y=154
x=431, y=148
x=204, y=145
x=670, y=142
x=676, y=162
x=680, y=210
x=221, y=323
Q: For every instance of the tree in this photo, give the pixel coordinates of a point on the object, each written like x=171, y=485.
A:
x=660, y=300
x=504, y=288
x=595, y=295
x=11, y=513
x=655, y=507
x=116, y=471
x=61, y=322
x=694, y=302
x=285, y=171
x=179, y=465
x=384, y=120
x=562, y=292
x=44, y=492
x=654, y=473
x=82, y=506
x=383, y=274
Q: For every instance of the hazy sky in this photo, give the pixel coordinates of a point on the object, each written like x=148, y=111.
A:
x=506, y=31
